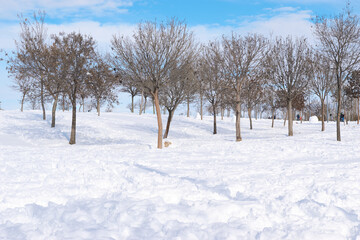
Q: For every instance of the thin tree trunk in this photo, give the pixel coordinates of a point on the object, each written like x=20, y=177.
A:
x=301, y=116
x=141, y=102
x=249, y=114
x=338, y=96
x=53, y=111
x=158, y=115
x=358, y=110
x=228, y=112
x=63, y=103
x=22, y=102
x=201, y=106
x=98, y=106
x=272, y=118
x=170, y=116
x=346, y=115
x=145, y=103
x=73, y=123
x=83, y=102
x=237, y=123
x=188, y=107
x=285, y=118
x=214, y=112
x=42, y=99
x=153, y=103
x=322, y=115
x=132, y=103
x=290, y=122
x=222, y=113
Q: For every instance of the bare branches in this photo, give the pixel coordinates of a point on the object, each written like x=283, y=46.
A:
x=289, y=69
x=339, y=39
x=152, y=55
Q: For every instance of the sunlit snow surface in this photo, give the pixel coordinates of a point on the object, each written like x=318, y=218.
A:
x=115, y=184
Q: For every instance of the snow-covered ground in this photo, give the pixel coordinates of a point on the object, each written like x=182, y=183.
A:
x=115, y=184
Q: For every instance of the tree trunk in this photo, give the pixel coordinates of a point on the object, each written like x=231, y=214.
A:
x=301, y=116
x=322, y=115
x=228, y=112
x=141, y=102
x=285, y=118
x=201, y=106
x=132, y=103
x=188, y=107
x=171, y=113
x=358, y=110
x=214, y=112
x=63, y=103
x=145, y=103
x=22, y=102
x=237, y=123
x=338, y=98
x=222, y=113
x=249, y=114
x=83, y=102
x=98, y=106
x=346, y=116
x=272, y=118
x=153, y=103
x=53, y=111
x=158, y=115
x=73, y=123
x=290, y=122
x=42, y=99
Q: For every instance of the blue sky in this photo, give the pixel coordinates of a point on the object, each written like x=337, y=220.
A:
x=208, y=19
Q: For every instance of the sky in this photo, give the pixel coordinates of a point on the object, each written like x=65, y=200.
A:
x=208, y=19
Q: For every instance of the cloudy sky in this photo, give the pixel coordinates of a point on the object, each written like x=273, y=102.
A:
x=209, y=19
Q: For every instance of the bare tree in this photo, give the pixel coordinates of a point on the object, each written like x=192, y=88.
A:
x=339, y=38
x=199, y=86
x=353, y=89
x=23, y=85
x=77, y=53
x=270, y=101
x=214, y=84
x=174, y=93
x=241, y=56
x=30, y=50
x=321, y=82
x=101, y=82
x=153, y=52
x=252, y=93
x=289, y=70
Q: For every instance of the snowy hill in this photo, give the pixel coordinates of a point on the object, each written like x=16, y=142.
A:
x=115, y=184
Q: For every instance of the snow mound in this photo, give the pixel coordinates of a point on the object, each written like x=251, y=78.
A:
x=198, y=116
x=313, y=119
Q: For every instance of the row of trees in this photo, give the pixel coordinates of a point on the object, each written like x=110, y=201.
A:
x=162, y=61
x=64, y=65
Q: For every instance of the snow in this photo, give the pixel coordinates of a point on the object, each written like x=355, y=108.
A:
x=115, y=184
x=313, y=119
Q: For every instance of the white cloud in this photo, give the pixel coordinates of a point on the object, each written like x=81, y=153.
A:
x=284, y=9
x=284, y=24
x=101, y=33
x=62, y=8
x=296, y=23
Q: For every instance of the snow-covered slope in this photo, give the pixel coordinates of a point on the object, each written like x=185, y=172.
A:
x=115, y=184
